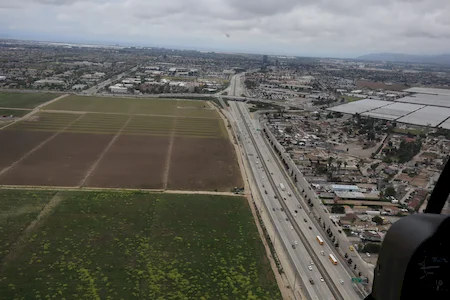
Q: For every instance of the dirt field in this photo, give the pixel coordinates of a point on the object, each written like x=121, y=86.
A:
x=142, y=168
x=380, y=85
x=199, y=164
x=123, y=148
x=63, y=161
x=15, y=144
x=45, y=122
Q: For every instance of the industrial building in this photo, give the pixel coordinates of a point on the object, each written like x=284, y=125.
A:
x=118, y=89
x=423, y=107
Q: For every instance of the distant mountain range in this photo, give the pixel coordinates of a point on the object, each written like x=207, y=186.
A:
x=398, y=57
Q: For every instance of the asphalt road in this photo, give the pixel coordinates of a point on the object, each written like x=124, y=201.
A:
x=93, y=90
x=321, y=214
x=237, y=87
x=299, y=256
x=287, y=231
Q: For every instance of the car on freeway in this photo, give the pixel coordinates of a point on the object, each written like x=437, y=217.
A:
x=265, y=192
x=310, y=268
x=311, y=263
x=287, y=219
x=273, y=208
x=341, y=281
x=305, y=220
x=295, y=242
x=293, y=246
x=292, y=228
x=310, y=227
x=321, y=279
x=311, y=281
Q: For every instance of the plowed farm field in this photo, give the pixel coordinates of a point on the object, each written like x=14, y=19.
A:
x=120, y=143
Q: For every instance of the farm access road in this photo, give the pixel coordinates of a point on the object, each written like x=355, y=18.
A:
x=91, y=189
x=34, y=110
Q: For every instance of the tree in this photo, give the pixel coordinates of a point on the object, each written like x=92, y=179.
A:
x=337, y=209
x=338, y=165
x=330, y=160
x=389, y=191
x=371, y=248
x=378, y=220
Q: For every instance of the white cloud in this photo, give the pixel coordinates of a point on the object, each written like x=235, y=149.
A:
x=301, y=27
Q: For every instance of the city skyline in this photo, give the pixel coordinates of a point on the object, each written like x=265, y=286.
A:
x=311, y=28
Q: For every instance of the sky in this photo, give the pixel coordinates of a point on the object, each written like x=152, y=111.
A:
x=330, y=28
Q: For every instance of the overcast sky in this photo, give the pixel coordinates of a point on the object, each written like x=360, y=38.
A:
x=338, y=28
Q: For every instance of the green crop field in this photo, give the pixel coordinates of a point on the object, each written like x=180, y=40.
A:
x=17, y=210
x=124, y=245
x=25, y=100
x=14, y=112
x=111, y=123
x=151, y=106
x=351, y=98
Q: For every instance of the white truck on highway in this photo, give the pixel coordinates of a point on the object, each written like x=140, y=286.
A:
x=282, y=187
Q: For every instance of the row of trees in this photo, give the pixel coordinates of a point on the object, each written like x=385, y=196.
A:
x=405, y=152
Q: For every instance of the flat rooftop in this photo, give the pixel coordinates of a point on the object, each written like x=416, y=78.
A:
x=426, y=107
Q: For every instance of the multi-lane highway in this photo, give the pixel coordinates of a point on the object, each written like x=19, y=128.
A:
x=236, y=87
x=322, y=218
x=291, y=218
x=299, y=256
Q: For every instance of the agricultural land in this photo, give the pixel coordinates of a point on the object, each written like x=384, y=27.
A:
x=120, y=143
x=24, y=100
x=130, y=245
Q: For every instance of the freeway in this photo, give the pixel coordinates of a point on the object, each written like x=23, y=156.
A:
x=286, y=234
x=236, y=88
x=321, y=217
x=299, y=220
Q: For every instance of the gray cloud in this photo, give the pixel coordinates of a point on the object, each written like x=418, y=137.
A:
x=303, y=27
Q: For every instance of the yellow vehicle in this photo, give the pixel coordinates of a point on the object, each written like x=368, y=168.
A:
x=319, y=239
x=333, y=259
x=351, y=248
